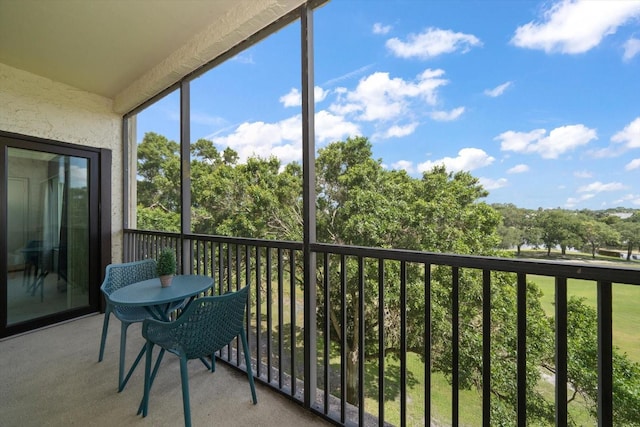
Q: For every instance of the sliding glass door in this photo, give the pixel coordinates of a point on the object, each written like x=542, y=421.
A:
x=49, y=252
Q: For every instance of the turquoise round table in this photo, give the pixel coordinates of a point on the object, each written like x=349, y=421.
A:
x=158, y=300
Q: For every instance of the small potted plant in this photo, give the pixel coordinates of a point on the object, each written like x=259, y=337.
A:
x=166, y=266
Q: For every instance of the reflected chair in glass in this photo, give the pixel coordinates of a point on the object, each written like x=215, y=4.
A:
x=36, y=265
x=31, y=253
x=116, y=277
x=206, y=325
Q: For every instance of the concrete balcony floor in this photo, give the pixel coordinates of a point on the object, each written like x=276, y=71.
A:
x=51, y=377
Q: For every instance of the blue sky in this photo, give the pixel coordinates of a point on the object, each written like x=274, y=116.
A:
x=538, y=99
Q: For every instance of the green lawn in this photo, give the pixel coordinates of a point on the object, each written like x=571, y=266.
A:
x=626, y=309
x=470, y=411
x=471, y=401
x=626, y=298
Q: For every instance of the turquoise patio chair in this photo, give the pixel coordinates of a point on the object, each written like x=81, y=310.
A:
x=116, y=277
x=206, y=325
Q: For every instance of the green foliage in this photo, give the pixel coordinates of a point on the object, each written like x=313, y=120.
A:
x=166, y=262
x=518, y=227
x=157, y=218
x=596, y=234
x=629, y=234
x=558, y=227
x=159, y=170
x=582, y=366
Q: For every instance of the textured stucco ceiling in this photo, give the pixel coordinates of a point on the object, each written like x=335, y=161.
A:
x=126, y=50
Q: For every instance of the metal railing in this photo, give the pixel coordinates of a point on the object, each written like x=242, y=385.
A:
x=356, y=287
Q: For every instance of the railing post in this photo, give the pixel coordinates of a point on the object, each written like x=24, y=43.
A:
x=605, y=355
x=361, y=350
x=455, y=345
x=403, y=344
x=381, y=342
x=486, y=348
x=561, y=351
x=427, y=343
x=522, y=349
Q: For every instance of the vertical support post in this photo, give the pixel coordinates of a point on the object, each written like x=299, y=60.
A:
x=129, y=182
x=185, y=174
x=309, y=206
x=126, y=142
x=105, y=218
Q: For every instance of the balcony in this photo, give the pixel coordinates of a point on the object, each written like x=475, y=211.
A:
x=52, y=377
x=308, y=350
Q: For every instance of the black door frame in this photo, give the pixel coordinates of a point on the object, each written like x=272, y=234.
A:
x=99, y=176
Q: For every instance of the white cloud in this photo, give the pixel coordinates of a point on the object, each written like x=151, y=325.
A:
x=610, y=151
x=291, y=99
x=404, y=165
x=599, y=187
x=572, y=26
x=630, y=135
x=396, y=131
x=283, y=139
x=633, y=164
x=631, y=48
x=633, y=198
x=573, y=201
x=294, y=97
x=519, y=141
x=260, y=138
x=319, y=94
x=493, y=184
x=431, y=43
x=447, y=116
x=498, y=90
x=378, y=28
x=626, y=139
x=78, y=176
x=379, y=97
x=329, y=127
x=519, y=169
x=558, y=141
x=582, y=174
x=468, y=159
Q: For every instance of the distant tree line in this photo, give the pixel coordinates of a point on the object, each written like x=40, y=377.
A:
x=583, y=230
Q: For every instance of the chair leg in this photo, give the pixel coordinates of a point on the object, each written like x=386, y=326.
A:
x=184, y=376
x=147, y=379
x=105, y=326
x=148, y=348
x=123, y=351
x=247, y=361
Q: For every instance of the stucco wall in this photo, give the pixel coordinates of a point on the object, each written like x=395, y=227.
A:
x=36, y=106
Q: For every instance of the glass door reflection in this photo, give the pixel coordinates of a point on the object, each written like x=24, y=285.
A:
x=47, y=234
